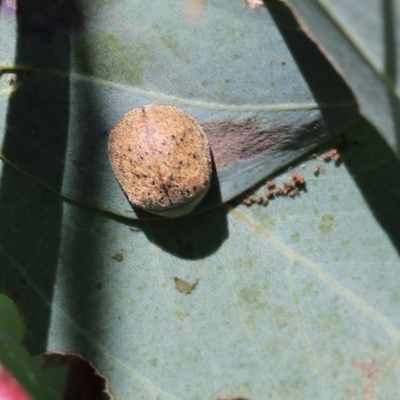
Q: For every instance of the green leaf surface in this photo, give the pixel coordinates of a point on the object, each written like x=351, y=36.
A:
x=261, y=89
x=296, y=300
x=362, y=40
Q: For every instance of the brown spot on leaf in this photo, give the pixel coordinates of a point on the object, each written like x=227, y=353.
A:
x=118, y=257
x=316, y=170
x=232, y=141
x=270, y=184
x=372, y=373
x=184, y=286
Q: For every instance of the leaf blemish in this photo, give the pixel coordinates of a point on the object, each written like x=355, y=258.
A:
x=185, y=287
x=118, y=257
x=326, y=225
x=232, y=141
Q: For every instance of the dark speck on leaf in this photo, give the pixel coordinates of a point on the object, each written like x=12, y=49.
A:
x=118, y=257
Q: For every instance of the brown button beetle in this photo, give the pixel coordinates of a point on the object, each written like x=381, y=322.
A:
x=162, y=159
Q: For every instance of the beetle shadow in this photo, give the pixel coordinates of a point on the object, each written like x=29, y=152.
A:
x=194, y=236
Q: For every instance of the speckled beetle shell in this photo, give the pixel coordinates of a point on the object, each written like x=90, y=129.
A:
x=162, y=159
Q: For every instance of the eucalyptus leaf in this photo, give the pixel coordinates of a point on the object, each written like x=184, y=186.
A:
x=261, y=89
x=295, y=299
x=362, y=40
x=298, y=299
